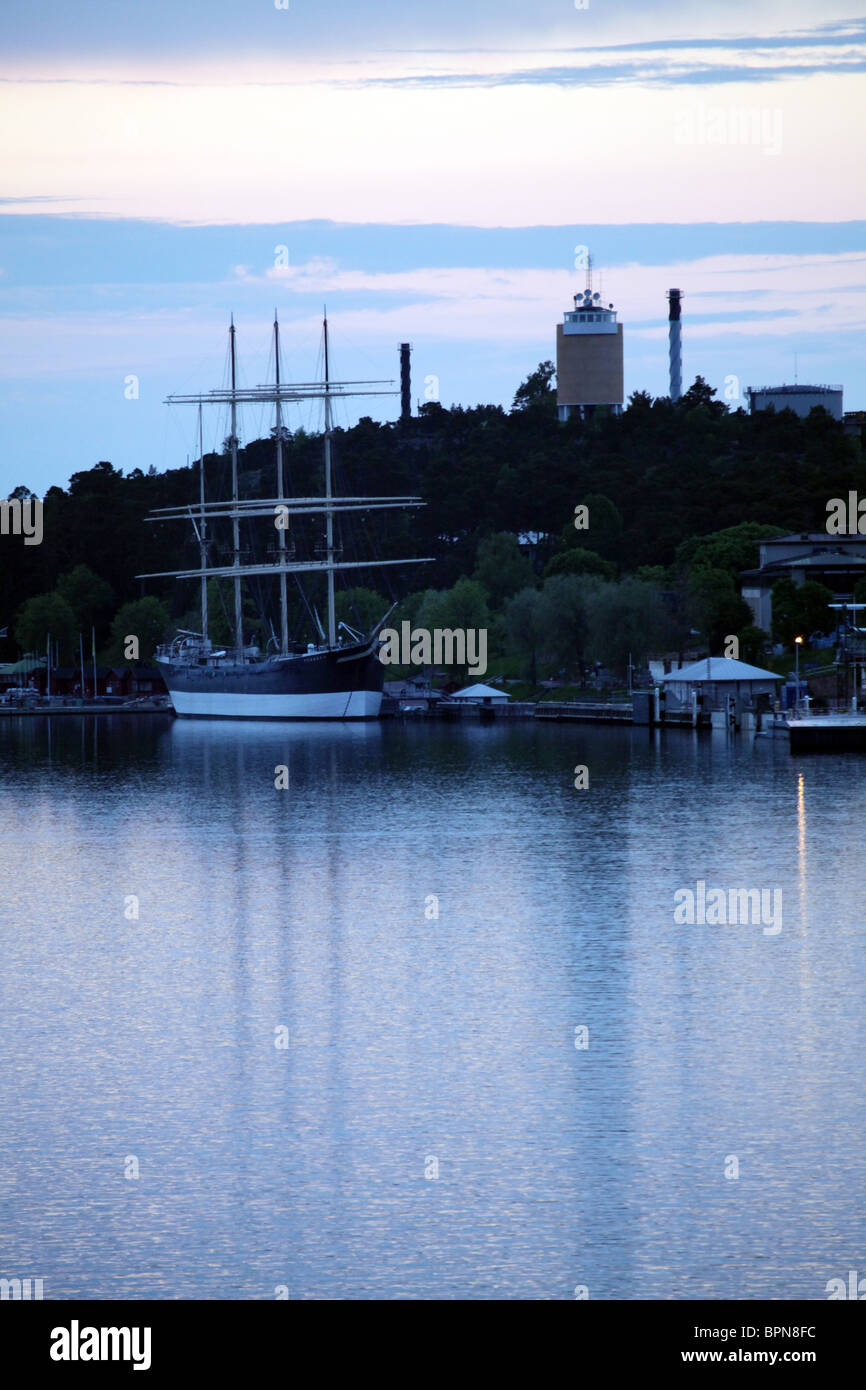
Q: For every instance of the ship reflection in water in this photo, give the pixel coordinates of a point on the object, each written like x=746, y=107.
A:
x=420, y=1023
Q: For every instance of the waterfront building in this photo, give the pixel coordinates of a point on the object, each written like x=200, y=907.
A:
x=720, y=683
x=481, y=694
x=835, y=561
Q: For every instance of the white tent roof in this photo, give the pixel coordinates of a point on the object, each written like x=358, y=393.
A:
x=479, y=692
x=722, y=668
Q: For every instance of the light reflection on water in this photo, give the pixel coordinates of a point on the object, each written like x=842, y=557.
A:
x=413, y=1038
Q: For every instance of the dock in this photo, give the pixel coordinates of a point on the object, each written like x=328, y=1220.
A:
x=31, y=709
x=832, y=732
x=611, y=712
x=543, y=711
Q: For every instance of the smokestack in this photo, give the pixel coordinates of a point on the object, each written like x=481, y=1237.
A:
x=676, y=358
x=405, y=386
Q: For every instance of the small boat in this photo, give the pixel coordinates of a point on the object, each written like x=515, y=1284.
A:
x=772, y=726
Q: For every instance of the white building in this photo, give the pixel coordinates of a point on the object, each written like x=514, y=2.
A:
x=800, y=399
x=718, y=679
x=482, y=695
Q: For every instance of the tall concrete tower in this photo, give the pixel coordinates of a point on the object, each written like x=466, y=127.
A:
x=674, y=347
x=588, y=356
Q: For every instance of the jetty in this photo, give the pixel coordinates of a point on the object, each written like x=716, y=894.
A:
x=63, y=705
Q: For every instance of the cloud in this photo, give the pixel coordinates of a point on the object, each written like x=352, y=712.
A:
x=499, y=156
x=698, y=61
x=480, y=329
x=726, y=297
x=12, y=201
x=546, y=55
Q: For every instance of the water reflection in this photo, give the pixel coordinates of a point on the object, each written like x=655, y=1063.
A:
x=430, y=911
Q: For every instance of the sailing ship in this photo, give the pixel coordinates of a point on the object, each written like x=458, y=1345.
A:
x=336, y=673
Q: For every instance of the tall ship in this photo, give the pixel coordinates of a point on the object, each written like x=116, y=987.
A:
x=336, y=672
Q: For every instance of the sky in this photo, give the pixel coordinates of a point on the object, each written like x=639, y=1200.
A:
x=435, y=174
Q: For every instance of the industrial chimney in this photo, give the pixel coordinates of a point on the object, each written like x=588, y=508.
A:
x=676, y=358
x=405, y=385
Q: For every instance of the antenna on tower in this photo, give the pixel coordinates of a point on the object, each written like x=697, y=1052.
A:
x=588, y=286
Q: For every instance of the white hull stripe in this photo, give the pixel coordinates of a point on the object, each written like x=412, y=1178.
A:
x=337, y=704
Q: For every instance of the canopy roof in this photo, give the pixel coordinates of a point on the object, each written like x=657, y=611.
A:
x=479, y=692
x=721, y=668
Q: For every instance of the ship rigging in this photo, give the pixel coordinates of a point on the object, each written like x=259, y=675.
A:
x=331, y=678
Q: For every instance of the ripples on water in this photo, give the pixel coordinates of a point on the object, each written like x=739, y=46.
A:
x=413, y=1038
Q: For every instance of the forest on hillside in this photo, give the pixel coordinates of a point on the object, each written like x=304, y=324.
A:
x=676, y=497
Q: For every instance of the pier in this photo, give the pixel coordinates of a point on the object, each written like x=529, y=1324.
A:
x=27, y=709
x=635, y=711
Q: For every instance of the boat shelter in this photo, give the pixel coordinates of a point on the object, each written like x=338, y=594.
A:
x=720, y=683
x=482, y=695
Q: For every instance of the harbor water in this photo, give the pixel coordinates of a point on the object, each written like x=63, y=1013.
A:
x=396, y=1010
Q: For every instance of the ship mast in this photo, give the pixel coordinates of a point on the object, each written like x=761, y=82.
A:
x=236, y=526
x=203, y=530
x=281, y=533
x=261, y=507
x=329, y=512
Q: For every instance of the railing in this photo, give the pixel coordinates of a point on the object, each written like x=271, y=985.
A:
x=583, y=709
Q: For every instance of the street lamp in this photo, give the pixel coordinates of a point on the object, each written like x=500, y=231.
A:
x=798, y=642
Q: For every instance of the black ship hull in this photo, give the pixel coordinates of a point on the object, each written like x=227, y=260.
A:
x=330, y=683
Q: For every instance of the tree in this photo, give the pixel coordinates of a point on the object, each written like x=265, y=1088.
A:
x=360, y=608
x=145, y=618
x=522, y=622
x=800, y=609
x=408, y=608
x=564, y=620
x=817, y=615
x=786, y=611
x=501, y=567
x=537, y=392
x=44, y=615
x=753, y=644
x=655, y=575
x=430, y=612
x=457, y=609
x=465, y=606
x=700, y=393
x=627, y=621
x=717, y=607
x=89, y=597
x=671, y=471
x=604, y=529
x=736, y=548
x=579, y=561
